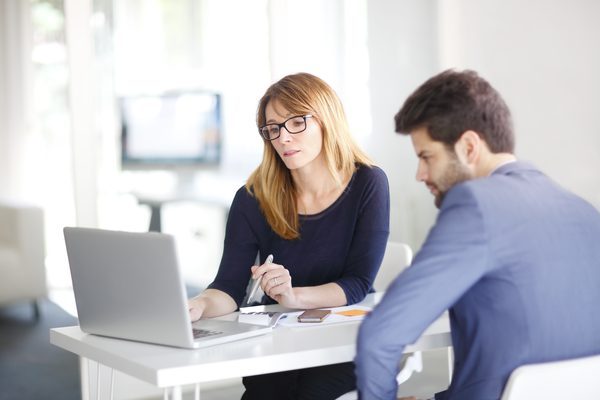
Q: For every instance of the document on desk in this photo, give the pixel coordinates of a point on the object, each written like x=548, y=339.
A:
x=267, y=318
x=289, y=317
x=338, y=315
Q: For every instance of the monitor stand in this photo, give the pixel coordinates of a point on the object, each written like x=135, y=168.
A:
x=184, y=188
x=186, y=183
x=203, y=186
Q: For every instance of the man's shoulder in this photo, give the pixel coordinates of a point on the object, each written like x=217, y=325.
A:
x=507, y=179
x=519, y=190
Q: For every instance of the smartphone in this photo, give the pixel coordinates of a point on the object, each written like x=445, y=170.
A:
x=313, y=315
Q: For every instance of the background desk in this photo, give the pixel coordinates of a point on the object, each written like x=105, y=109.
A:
x=284, y=349
x=209, y=189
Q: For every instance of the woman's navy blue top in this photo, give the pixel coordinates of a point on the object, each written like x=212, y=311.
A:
x=344, y=243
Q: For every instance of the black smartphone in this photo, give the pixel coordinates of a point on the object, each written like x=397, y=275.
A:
x=313, y=315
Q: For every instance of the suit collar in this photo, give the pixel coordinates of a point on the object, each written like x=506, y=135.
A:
x=513, y=166
x=501, y=165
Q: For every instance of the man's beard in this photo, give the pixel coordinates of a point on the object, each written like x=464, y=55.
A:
x=454, y=174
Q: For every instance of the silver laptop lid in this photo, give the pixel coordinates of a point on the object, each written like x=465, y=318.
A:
x=128, y=285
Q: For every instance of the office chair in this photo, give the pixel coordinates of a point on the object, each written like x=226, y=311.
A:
x=398, y=257
x=567, y=379
x=22, y=253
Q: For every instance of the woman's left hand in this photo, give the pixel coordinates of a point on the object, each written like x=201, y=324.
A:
x=276, y=283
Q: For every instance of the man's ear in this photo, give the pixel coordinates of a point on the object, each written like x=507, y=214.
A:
x=468, y=147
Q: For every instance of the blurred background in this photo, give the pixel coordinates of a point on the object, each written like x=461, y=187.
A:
x=94, y=93
x=140, y=114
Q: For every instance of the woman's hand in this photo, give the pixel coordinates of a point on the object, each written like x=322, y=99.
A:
x=276, y=282
x=196, y=307
x=211, y=303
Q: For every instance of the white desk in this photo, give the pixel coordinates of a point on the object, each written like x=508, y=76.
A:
x=283, y=349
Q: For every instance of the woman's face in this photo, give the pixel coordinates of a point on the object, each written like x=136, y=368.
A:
x=300, y=150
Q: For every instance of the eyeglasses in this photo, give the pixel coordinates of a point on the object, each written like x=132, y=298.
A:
x=293, y=125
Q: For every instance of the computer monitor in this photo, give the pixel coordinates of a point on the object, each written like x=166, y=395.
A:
x=176, y=130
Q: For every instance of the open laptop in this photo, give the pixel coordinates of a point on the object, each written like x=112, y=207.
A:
x=128, y=285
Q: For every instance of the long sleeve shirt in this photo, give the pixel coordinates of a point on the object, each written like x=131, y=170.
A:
x=344, y=243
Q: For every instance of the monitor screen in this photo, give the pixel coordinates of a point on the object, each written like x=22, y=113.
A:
x=170, y=130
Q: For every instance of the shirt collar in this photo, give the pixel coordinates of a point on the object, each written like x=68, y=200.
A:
x=501, y=165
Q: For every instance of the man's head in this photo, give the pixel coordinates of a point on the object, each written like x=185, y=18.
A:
x=460, y=128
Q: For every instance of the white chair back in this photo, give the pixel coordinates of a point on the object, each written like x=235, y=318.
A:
x=568, y=379
x=397, y=257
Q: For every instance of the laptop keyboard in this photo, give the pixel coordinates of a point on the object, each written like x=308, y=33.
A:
x=202, y=333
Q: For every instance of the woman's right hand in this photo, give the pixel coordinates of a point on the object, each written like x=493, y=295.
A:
x=210, y=303
x=196, y=307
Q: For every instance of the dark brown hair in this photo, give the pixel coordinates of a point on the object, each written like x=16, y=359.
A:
x=453, y=102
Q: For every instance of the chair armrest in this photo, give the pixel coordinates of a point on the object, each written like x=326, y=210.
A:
x=22, y=232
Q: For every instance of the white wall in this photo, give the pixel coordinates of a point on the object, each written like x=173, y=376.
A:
x=15, y=90
x=544, y=58
x=541, y=55
x=403, y=53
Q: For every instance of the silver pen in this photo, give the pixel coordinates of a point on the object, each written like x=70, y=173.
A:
x=256, y=283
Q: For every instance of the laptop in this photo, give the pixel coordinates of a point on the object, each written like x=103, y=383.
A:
x=128, y=285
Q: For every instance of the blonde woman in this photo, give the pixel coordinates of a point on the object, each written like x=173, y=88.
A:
x=320, y=207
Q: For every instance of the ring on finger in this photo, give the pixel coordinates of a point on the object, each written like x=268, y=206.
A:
x=275, y=281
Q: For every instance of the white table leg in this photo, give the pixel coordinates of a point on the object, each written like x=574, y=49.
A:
x=197, y=391
x=97, y=381
x=176, y=393
x=104, y=389
x=112, y=383
x=84, y=378
x=450, y=364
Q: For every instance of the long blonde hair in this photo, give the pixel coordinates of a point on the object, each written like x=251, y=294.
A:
x=271, y=183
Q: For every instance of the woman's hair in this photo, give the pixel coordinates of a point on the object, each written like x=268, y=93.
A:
x=271, y=183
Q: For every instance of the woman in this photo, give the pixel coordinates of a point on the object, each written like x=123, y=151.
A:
x=319, y=206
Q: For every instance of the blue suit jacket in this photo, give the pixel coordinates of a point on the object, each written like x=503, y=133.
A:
x=516, y=258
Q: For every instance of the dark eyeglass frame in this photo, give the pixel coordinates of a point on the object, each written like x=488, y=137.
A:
x=282, y=125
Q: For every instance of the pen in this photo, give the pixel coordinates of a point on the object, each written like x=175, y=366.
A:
x=256, y=283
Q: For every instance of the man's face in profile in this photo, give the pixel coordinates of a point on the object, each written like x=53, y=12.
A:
x=439, y=167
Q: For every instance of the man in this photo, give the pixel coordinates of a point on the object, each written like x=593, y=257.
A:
x=515, y=257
